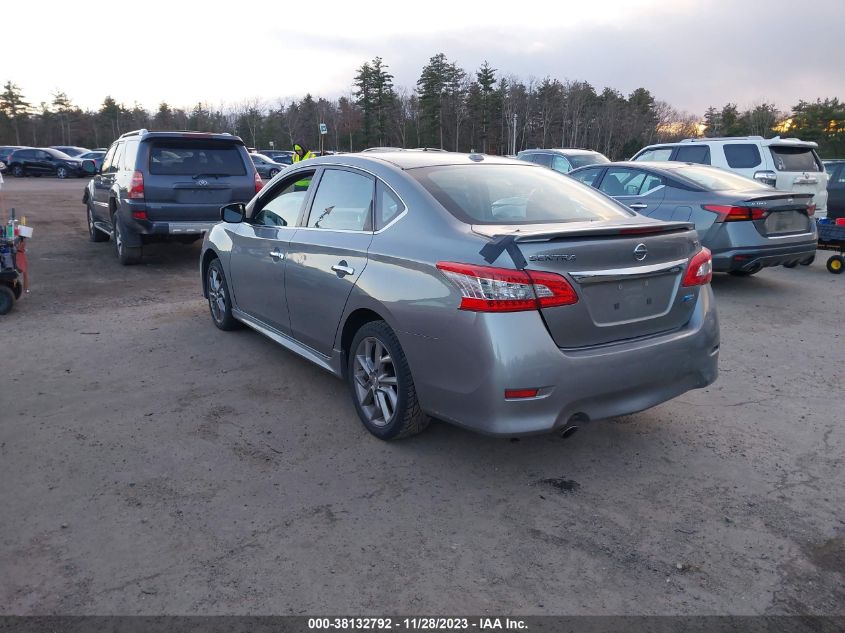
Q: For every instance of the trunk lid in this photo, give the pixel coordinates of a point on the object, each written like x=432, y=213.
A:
x=786, y=213
x=199, y=175
x=627, y=276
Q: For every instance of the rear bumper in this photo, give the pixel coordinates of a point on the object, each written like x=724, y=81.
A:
x=739, y=246
x=463, y=379
x=752, y=258
x=170, y=219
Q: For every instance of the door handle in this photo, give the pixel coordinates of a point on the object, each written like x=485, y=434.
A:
x=277, y=254
x=638, y=205
x=342, y=268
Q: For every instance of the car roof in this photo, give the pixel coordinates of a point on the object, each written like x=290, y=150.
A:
x=416, y=159
x=563, y=150
x=183, y=134
x=775, y=140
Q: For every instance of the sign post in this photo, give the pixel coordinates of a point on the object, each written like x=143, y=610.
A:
x=324, y=129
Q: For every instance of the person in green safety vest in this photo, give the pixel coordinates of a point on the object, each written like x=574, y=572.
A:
x=300, y=154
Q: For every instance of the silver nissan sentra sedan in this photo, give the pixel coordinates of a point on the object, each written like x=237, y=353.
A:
x=491, y=293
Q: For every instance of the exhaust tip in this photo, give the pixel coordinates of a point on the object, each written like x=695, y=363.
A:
x=569, y=431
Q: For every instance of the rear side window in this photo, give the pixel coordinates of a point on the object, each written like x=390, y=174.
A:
x=559, y=163
x=788, y=158
x=742, y=155
x=189, y=157
x=388, y=205
x=130, y=154
x=513, y=194
x=541, y=159
x=694, y=154
x=582, y=160
x=658, y=153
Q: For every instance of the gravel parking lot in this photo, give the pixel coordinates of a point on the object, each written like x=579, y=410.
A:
x=151, y=464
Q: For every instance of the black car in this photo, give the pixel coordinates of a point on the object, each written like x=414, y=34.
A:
x=6, y=151
x=71, y=150
x=33, y=161
x=158, y=186
x=835, y=188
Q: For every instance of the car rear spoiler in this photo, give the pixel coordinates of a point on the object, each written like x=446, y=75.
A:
x=545, y=233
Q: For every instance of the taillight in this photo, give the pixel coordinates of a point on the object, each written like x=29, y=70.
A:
x=729, y=213
x=766, y=177
x=811, y=209
x=136, y=186
x=488, y=289
x=258, y=183
x=699, y=269
x=139, y=215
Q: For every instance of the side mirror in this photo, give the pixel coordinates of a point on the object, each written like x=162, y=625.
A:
x=89, y=166
x=233, y=213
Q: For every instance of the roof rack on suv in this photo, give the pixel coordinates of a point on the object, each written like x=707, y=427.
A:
x=140, y=132
x=722, y=138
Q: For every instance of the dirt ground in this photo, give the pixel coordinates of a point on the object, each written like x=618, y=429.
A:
x=150, y=463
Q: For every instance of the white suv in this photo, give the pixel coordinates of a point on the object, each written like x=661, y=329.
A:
x=788, y=164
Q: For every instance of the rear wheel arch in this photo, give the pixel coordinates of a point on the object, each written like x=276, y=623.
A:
x=354, y=322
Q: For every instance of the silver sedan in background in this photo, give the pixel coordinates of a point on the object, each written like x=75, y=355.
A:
x=266, y=167
x=487, y=292
x=746, y=225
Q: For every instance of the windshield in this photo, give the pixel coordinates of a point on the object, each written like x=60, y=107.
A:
x=715, y=179
x=189, y=157
x=514, y=194
x=582, y=160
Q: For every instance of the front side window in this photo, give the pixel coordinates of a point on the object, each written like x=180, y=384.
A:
x=343, y=202
x=650, y=183
x=742, y=155
x=513, y=194
x=541, y=159
x=657, y=153
x=285, y=203
x=694, y=154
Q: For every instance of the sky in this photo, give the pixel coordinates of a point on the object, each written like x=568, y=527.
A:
x=689, y=53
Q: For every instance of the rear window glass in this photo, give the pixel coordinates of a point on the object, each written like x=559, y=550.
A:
x=742, y=155
x=715, y=179
x=514, y=194
x=658, y=153
x=582, y=160
x=795, y=158
x=697, y=154
x=190, y=158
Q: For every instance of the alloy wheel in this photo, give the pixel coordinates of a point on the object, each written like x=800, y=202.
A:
x=118, y=238
x=61, y=172
x=376, y=384
x=216, y=294
x=91, y=228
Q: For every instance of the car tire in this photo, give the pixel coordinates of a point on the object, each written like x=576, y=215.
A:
x=7, y=299
x=380, y=381
x=126, y=255
x=808, y=261
x=836, y=264
x=219, y=297
x=94, y=234
x=61, y=173
x=790, y=264
x=18, y=172
x=272, y=173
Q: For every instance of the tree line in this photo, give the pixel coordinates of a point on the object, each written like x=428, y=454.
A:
x=449, y=108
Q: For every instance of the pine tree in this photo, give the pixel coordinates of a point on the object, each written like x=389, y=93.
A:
x=14, y=106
